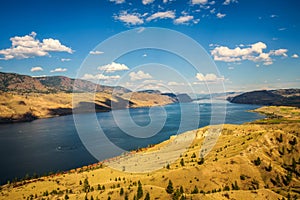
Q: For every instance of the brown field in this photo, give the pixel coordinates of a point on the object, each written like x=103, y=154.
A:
x=258, y=160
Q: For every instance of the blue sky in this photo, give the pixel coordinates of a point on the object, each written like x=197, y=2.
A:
x=254, y=44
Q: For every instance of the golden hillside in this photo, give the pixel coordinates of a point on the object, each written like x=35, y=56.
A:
x=258, y=160
x=29, y=106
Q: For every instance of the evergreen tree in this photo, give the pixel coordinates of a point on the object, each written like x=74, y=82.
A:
x=170, y=188
x=139, y=191
x=121, y=191
x=195, y=191
x=147, y=197
x=181, y=190
x=182, y=162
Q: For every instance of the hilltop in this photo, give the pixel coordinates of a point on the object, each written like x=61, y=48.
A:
x=281, y=97
x=257, y=160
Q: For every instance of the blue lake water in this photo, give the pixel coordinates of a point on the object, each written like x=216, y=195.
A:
x=54, y=144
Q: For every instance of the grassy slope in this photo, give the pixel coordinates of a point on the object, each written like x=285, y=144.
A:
x=15, y=105
x=230, y=161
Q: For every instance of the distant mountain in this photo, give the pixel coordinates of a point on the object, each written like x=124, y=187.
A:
x=281, y=97
x=221, y=96
x=51, y=84
x=182, y=98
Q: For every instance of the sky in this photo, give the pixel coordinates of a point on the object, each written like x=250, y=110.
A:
x=243, y=45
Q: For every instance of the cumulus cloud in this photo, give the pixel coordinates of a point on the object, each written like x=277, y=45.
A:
x=96, y=52
x=65, y=59
x=28, y=46
x=220, y=15
x=145, y=2
x=130, y=19
x=227, y=2
x=295, y=56
x=117, y=1
x=183, y=19
x=59, y=70
x=253, y=53
x=208, y=77
x=113, y=67
x=162, y=15
x=99, y=77
x=35, y=69
x=140, y=75
x=199, y=2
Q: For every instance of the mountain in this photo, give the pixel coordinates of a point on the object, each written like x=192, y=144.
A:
x=26, y=98
x=181, y=98
x=51, y=84
x=281, y=97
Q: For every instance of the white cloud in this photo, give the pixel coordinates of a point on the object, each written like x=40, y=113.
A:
x=96, y=52
x=58, y=70
x=140, y=75
x=145, y=55
x=212, y=11
x=100, y=77
x=145, y=2
x=183, y=19
x=35, y=69
x=65, y=59
x=1, y=67
x=173, y=83
x=113, y=67
x=199, y=2
x=253, y=53
x=28, y=46
x=295, y=56
x=117, y=1
x=141, y=30
x=130, y=19
x=220, y=15
x=282, y=29
x=227, y=2
x=208, y=77
x=273, y=16
x=165, y=1
x=162, y=15
x=279, y=52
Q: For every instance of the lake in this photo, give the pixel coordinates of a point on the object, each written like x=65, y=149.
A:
x=51, y=145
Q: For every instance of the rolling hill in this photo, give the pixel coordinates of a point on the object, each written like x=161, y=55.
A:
x=281, y=97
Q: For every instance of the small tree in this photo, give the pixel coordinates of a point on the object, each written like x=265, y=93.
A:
x=66, y=197
x=126, y=196
x=139, y=190
x=170, y=188
x=121, y=191
x=194, y=155
x=181, y=190
x=195, y=191
x=201, y=161
x=147, y=197
x=269, y=168
x=280, y=139
x=168, y=166
x=86, y=185
x=182, y=162
x=176, y=195
x=257, y=161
